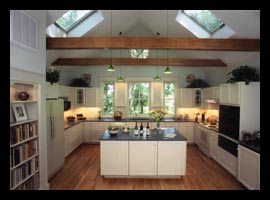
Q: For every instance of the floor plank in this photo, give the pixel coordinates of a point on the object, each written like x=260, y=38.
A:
x=82, y=172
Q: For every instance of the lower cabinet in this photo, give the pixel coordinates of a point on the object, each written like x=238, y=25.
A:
x=249, y=168
x=114, y=157
x=214, y=153
x=228, y=161
x=97, y=130
x=171, y=158
x=187, y=130
x=73, y=138
x=143, y=158
x=197, y=134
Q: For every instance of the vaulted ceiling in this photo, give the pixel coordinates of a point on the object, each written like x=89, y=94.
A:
x=146, y=23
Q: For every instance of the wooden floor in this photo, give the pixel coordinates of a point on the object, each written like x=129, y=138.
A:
x=82, y=172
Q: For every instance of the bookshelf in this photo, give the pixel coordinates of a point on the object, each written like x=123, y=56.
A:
x=24, y=138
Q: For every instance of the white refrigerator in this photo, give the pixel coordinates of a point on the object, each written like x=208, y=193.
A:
x=55, y=136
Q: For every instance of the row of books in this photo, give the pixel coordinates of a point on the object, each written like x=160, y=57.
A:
x=22, y=132
x=22, y=152
x=31, y=184
x=24, y=171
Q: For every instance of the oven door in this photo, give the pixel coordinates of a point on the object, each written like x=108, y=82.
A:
x=204, y=140
x=228, y=144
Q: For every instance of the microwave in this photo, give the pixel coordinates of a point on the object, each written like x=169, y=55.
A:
x=67, y=105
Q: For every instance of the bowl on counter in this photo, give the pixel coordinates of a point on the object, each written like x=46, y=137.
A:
x=70, y=118
x=113, y=130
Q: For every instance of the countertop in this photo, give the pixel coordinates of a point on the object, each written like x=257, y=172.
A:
x=70, y=124
x=155, y=135
x=252, y=145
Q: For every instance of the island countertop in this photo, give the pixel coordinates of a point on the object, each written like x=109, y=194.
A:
x=155, y=135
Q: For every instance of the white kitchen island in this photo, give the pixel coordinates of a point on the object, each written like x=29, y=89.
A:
x=156, y=156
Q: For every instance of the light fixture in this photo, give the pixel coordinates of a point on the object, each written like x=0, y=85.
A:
x=111, y=68
x=167, y=70
x=157, y=77
x=120, y=78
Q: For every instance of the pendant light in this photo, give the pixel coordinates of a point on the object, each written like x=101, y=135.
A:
x=167, y=70
x=111, y=68
x=120, y=78
x=157, y=77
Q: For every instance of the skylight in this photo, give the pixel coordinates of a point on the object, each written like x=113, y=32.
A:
x=205, y=19
x=72, y=18
x=139, y=53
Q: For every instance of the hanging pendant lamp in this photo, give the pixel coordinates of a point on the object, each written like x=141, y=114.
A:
x=111, y=68
x=167, y=70
x=120, y=78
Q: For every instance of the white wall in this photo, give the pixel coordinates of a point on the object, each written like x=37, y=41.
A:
x=21, y=58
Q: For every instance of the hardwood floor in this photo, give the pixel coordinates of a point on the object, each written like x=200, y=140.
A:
x=82, y=172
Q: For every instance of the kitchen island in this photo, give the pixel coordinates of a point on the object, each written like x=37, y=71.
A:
x=154, y=156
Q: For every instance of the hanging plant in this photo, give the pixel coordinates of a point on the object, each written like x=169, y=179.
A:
x=243, y=73
x=52, y=75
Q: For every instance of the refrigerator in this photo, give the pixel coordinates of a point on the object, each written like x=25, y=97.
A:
x=55, y=136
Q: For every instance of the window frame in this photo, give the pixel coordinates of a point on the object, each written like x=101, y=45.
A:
x=164, y=100
x=75, y=23
x=148, y=55
x=149, y=98
x=102, y=97
x=202, y=25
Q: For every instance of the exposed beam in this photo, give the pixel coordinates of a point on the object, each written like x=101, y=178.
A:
x=138, y=62
x=154, y=43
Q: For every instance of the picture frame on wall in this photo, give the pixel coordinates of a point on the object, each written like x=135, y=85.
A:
x=19, y=112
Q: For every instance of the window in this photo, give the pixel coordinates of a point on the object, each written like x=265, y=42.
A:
x=72, y=18
x=139, y=53
x=108, y=94
x=169, y=97
x=205, y=19
x=139, y=98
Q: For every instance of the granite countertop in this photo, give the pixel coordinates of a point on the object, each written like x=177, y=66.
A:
x=70, y=124
x=155, y=135
x=252, y=145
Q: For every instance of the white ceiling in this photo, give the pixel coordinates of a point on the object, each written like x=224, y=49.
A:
x=138, y=23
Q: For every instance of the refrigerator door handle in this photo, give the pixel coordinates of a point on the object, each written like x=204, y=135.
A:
x=51, y=127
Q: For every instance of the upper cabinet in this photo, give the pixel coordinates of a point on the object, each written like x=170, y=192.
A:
x=120, y=94
x=157, y=94
x=190, y=98
x=79, y=97
x=209, y=93
x=229, y=93
x=52, y=91
x=91, y=95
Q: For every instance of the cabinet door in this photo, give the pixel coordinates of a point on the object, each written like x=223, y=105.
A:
x=87, y=132
x=120, y=94
x=215, y=92
x=172, y=158
x=157, y=94
x=186, y=98
x=228, y=161
x=79, y=97
x=224, y=93
x=51, y=90
x=143, y=158
x=97, y=130
x=114, y=157
x=71, y=96
x=248, y=168
x=234, y=93
x=91, y=97
x=197, y=134
x=197, y=98
x=187, y=132
x=214, y=145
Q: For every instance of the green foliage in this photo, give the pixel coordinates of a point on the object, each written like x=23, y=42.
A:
x=52, y=75
x=108, y=98
x=139, y=98
x=68, y=19
x=243, y=73
x=79, y=82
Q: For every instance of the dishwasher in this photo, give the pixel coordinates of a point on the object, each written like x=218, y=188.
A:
x=204, y=140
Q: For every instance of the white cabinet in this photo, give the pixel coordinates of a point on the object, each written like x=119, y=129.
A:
x=197, y=134
x=248, y=168
x=51, y=90
x=120, y=94
x=87, y=132
x=143, y=158
x=171, y=158
x=79, y=97
x=228, y=161
x=214, y=145
x=210, y=93
x=73, y=138
x=114, y=157
x=190, y=97
x=187, y=130
x=230, y=93
x=97, y=130
x=157, y=94
x=91, y=95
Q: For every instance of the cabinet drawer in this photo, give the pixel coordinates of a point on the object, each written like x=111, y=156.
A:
x=228, y=161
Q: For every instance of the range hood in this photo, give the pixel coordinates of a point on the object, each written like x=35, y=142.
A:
x=212, y=100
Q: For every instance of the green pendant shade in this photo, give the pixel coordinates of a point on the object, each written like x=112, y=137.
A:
x=157, y=78
x=167, y=71
x=110, y=68
x=120, y=79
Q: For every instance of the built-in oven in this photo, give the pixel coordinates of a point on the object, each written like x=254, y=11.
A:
x=228, y=144
x=204, y=140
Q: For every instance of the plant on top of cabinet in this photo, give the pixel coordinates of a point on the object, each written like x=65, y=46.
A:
x=52, y=75
x=243, y=73
x=79, y=82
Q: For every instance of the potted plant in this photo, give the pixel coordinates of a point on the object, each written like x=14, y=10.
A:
x=243, y=73
x=52, y=75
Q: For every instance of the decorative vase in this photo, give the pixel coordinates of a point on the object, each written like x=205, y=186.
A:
x=23, y=96
x=158, y=124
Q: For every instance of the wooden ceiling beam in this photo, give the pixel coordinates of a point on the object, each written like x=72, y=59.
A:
x=154, y=43
x=138, y=62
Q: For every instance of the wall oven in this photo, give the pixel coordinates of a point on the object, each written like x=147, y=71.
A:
x=229, y=119
x=204, y=140
x=228, y=144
